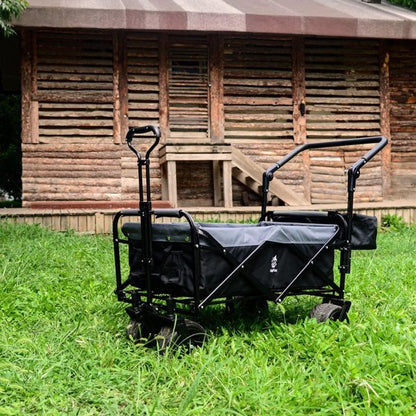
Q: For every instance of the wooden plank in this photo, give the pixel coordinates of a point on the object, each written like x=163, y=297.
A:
x=72, y=97
x=194, y=157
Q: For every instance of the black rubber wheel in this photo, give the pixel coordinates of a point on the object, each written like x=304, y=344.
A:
x=196, y=335
x=326, y=312
x=166, y=338
x=169, y=337
x=135, y=332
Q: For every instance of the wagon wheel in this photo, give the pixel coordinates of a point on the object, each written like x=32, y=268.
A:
x=135, y=331
x=196, y=335
x=325, y=312
x=170, y=337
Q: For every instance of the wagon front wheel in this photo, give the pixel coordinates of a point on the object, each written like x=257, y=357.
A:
x=135, y=331
x=326, y=312
x=193, y=335
x=166, y=338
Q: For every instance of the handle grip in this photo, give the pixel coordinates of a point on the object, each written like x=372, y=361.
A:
x=142, y=130
x=171, y=213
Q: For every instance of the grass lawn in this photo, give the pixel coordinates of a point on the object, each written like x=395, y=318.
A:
x=63, y=349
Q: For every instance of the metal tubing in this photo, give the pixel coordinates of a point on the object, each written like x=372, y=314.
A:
x=353, y=172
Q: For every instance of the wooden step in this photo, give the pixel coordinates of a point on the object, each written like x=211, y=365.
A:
x=248, y=168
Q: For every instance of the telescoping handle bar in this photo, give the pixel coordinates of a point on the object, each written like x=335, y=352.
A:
x=134, y=131
x=353, y=171
x=143, y=163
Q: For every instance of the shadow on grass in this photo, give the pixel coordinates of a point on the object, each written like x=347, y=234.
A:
x=216, y=319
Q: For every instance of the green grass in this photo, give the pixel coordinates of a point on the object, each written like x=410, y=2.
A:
x=63, y=350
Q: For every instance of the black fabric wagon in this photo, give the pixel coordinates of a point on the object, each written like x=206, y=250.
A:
x=178, y=268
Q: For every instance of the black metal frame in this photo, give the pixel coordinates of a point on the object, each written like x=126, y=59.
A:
x=148, y=310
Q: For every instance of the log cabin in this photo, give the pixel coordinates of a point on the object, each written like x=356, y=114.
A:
x=233, y=84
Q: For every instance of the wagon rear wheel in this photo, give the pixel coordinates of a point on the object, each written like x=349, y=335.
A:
x=325, y=312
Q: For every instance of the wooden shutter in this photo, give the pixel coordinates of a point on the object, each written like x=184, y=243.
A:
x=258, y=88
x=342, y=101
x=74, y=86
x=188, y=87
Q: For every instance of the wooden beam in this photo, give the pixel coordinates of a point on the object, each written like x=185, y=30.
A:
x=120, y=88
x=299, y=90
x=30, y=107
x=164, y=87
x=216, y=84
x=299, y=108
x=385, y=107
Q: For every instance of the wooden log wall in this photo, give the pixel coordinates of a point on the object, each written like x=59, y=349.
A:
x=69, y=153
x=402, y=60
x=342, y=101
x=258, y=104
x=263, y=94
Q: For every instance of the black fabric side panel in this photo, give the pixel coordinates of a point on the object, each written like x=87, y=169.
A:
x=364, y=232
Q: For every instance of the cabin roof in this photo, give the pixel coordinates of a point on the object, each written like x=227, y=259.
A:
x=350, y=18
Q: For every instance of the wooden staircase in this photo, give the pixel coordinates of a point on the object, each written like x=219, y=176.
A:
x=251, y=175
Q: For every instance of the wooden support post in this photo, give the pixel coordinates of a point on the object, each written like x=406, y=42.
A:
x=385, y=115
x=216, y=173
x=299, y=108
x=172, y=183
x=120, y=88
x=216, y=84
x=164, y=87
x=30, y=107
x=299, y=91
x=228, y=185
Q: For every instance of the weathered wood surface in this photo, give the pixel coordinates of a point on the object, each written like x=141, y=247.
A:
x=403, y=119
x=81, y=91
x=257, y=88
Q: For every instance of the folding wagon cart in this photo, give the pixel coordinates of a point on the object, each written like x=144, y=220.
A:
x=177, y=269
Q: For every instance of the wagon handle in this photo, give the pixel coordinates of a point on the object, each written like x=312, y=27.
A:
x=353, y=171
x=142, y=130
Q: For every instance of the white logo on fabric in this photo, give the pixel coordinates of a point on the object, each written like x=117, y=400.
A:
x=273, y=264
